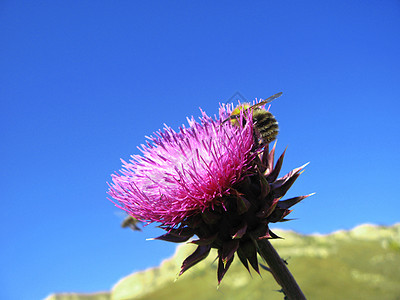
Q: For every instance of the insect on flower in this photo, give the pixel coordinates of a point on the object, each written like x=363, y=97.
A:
x=265, y=124
x=212, y=182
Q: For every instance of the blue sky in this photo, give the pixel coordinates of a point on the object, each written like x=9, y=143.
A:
x=83, y=82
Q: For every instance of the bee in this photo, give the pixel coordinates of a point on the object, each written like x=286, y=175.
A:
x=265, y=124
x=130, y=222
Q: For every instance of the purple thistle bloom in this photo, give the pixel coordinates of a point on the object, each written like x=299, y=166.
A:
x=183, y=173
x=215, y=180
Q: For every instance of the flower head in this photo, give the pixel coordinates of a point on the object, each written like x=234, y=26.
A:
x=183, y=173
x=213, y=180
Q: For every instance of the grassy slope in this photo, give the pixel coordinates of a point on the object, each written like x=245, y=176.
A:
x=363, y=263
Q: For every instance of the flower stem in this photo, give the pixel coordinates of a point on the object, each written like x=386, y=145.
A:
x=279, y=270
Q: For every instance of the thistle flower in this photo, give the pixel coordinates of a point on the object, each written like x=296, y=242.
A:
x=211, y=180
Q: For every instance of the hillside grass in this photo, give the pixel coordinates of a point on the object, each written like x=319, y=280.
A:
x=363, y=263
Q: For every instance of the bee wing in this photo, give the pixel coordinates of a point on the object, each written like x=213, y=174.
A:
x=268, y=100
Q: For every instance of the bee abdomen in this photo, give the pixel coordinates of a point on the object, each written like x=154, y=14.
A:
x=266, y=125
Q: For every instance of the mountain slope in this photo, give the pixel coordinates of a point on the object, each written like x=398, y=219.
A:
x=363, y=263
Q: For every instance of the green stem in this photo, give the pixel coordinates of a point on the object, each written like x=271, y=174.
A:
x=279, y=270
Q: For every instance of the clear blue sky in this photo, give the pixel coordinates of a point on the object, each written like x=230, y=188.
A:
x=83, y=82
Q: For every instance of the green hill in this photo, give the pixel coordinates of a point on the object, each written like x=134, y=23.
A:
x=363, y=263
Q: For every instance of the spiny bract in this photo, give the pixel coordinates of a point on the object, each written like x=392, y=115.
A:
x=242, y=218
